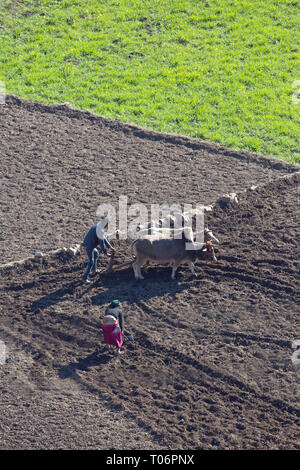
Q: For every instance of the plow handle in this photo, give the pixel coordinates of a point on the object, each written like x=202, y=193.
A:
x=111, y=262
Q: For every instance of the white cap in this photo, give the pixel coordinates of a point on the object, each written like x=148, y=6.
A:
x=100, y=227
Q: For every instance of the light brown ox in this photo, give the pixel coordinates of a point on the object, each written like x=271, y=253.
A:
x=166, y=250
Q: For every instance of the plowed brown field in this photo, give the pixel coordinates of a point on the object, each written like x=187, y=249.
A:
x=210, y=365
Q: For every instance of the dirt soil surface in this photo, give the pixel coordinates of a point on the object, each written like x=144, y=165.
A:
x=210, y=366
x=59, y=164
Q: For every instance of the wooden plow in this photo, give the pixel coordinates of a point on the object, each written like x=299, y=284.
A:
x=113, y=266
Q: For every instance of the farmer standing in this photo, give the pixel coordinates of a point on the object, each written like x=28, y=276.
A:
x=113, y=325
x=94, y=237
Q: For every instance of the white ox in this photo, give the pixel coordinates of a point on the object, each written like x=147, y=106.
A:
x=175, y=224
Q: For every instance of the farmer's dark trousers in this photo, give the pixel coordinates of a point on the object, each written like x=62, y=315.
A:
x=93, y=255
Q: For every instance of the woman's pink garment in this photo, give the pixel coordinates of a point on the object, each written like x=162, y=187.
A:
x=111, y=331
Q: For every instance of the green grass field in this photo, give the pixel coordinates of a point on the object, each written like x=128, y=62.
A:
x=222, y=71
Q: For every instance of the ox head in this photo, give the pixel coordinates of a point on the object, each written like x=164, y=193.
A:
x=207, y=252
x=209, y=237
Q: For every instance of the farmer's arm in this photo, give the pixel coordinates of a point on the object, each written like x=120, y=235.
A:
x=102, y=244
x=106, y=242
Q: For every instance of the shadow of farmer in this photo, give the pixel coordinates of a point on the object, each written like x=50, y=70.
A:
x=97, y=358
x=55, y=297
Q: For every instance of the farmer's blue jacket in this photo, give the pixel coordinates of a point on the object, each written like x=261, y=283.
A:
x=91, y=240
